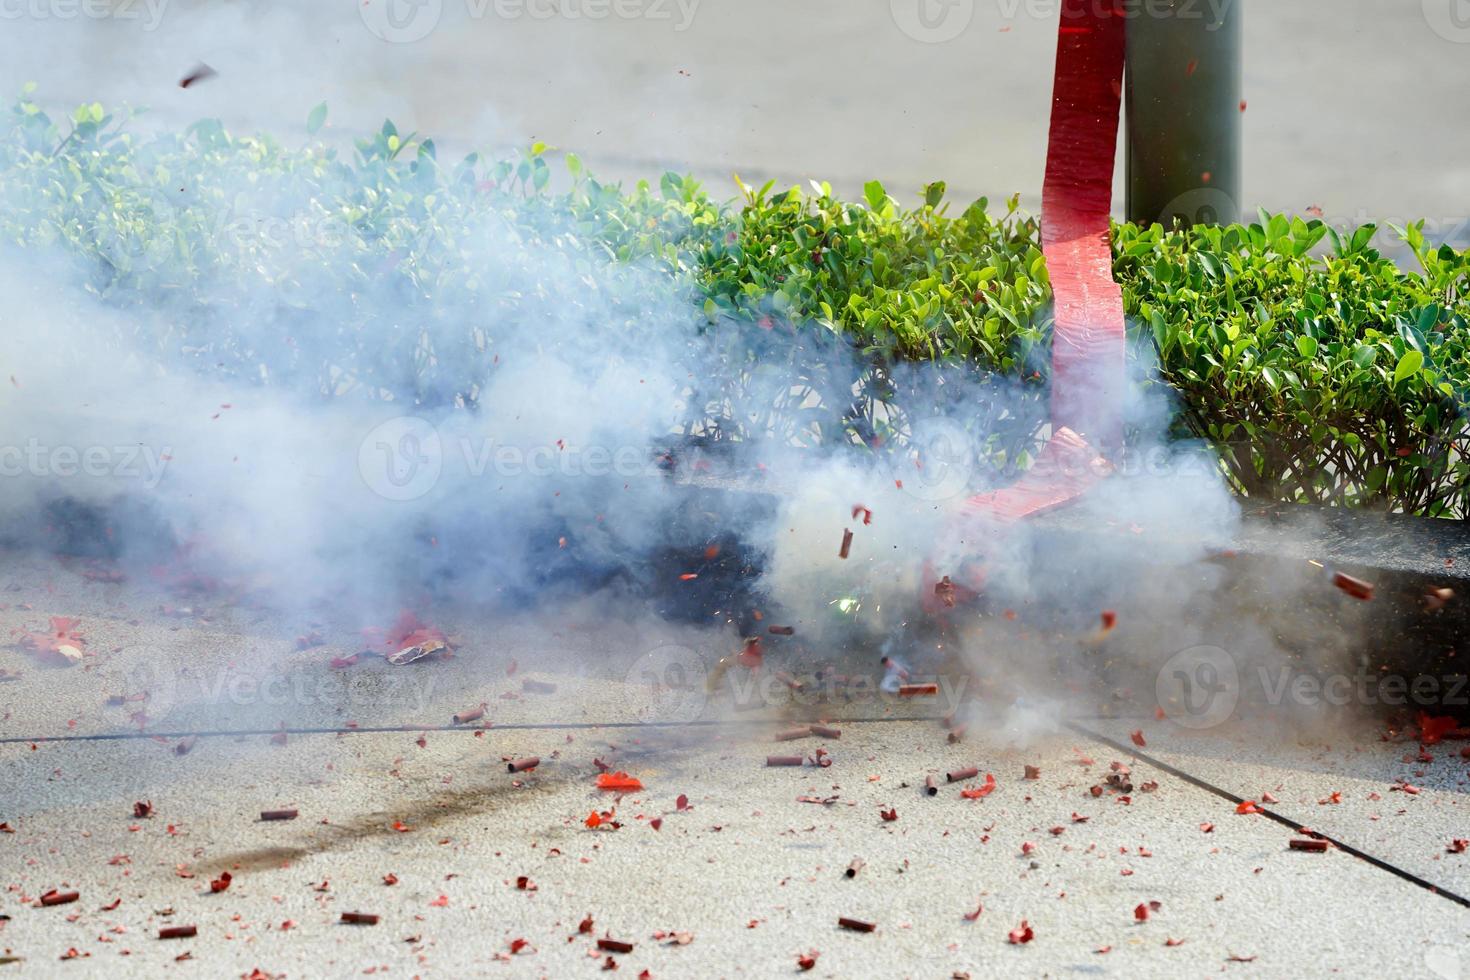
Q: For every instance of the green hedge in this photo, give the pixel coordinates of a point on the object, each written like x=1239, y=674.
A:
x=1319, y=369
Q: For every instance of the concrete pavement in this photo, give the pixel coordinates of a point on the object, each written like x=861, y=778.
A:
x=749, y=869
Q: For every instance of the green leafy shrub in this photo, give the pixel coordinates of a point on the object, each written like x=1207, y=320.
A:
x=1338, y=379
x=1318, y=369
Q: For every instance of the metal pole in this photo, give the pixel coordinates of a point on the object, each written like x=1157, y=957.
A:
x=1184, y=110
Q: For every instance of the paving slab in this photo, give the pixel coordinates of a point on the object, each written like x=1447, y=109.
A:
x=1384, y=794
x=751, y=871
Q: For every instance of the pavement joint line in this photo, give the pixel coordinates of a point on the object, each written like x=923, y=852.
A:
x=1144, y=757
x=399, y=729
x=1285, y=821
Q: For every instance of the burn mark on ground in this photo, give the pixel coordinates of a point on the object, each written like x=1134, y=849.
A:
x=419, y=814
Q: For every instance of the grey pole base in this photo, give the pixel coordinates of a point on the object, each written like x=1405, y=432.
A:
x=1183, y=121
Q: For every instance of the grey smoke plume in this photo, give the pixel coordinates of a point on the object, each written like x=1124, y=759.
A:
x=525, y=468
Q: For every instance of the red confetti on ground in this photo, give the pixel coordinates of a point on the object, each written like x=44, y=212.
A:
x=406, y=631
x=985, y=789
x=1137, y=736
x=1022, y=934
x=63, y=644
x=619, y=781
